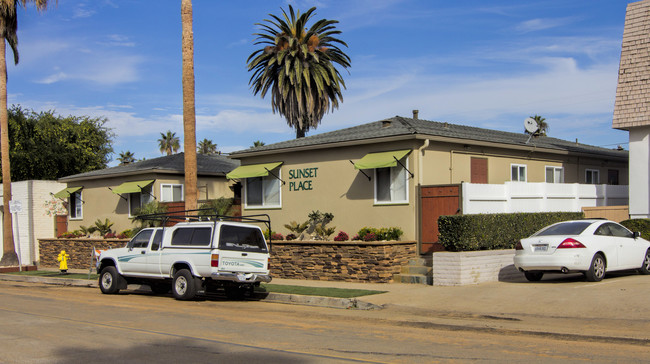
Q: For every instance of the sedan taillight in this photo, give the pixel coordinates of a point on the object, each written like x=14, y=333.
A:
x=569, y=243
x=519, y=246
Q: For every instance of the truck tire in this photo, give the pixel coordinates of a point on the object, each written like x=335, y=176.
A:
x=183, y=286
x=109, y=280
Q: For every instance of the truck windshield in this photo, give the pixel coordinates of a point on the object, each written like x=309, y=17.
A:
x=241, y=238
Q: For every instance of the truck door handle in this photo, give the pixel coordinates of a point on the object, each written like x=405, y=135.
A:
x=244, y=254
x=142, y=252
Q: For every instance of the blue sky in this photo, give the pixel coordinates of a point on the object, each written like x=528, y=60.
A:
x=488, y=64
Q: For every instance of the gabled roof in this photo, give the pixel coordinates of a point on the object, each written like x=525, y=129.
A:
x=207, y=165
x=407, y=128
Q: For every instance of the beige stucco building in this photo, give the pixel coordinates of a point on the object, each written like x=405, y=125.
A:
x=374, y=174
x=115, y=193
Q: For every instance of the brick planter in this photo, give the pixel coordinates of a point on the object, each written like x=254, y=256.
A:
x=340, y=261
x=464, y=268
x=79, y=249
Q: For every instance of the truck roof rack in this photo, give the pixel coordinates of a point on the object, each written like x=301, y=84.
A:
x=208, y=215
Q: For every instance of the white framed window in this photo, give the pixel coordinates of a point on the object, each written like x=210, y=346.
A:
x=518, y=172
x=263, y=192
x=391, y=185
x=554, y=174
x=75, y=206
x=592, y=176
x=139, y=199
x=171, y=192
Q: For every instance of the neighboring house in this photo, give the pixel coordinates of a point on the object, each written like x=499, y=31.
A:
x=116, y=193
x=632, y=106
x=33, y=221
x=381, y=174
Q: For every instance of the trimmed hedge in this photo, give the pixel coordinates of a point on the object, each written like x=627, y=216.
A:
x=494, y=231
x=638, y=225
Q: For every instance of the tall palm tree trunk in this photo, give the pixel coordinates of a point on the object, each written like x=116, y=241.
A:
x=189, y=116
x=9, y=257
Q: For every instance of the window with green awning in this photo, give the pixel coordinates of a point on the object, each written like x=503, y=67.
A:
x=66, y=192
x=381, y=159
x=253, y=170
x=131, y=187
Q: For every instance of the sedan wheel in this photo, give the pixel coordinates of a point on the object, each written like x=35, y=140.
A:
x=596, y=271
x=645, y=268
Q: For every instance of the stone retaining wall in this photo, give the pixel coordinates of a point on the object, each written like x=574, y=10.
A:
x=79, y=249
x=316, y=260
x=463, y=268
x=340, y=261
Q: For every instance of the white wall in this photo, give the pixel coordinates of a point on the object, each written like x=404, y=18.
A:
x=538, y=197
x=640, y=172
x=32, y=223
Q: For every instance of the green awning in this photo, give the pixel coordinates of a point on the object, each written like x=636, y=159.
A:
x=253, y=170
x=131, y=187
x=381, y=159
x=66, y=192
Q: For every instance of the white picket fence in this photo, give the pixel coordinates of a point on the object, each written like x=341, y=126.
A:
x=538, y=197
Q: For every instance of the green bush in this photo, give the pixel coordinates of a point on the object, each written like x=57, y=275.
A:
x=494, y=231
x=392, y=233
x=638, y=225
x=221, y=206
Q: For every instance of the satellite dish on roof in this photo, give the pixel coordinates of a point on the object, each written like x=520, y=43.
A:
x=531, y=125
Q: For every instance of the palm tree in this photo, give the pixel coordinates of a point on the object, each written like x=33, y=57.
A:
x=542, y=126
x=169, y=143
x=206, y=146
x=258, y=143
x=297, y=66
x=189, y=112
x=126, y=157
x=9, y=28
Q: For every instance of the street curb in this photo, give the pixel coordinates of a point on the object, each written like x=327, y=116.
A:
x=332, y=302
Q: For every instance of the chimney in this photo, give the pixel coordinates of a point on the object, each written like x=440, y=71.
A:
x=415, y=114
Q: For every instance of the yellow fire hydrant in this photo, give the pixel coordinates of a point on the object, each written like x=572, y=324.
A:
x=63, y=261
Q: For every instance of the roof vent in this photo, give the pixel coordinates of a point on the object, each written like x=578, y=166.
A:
x=415, y=114
x=386, y=123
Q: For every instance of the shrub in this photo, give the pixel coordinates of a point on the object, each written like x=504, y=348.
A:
x=494, y=231
x=153, y=207
x=70, y=234
x=638, y=225
x=104, y=227
x=356, y=237
x=220, y=206
x=110, y=235
x=342, y=236
x=277, y=236
x=392, y=233
x=291, y=237
x=370, y=237
x=122, y=236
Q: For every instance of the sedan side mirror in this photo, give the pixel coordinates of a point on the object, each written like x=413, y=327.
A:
x=636, y=234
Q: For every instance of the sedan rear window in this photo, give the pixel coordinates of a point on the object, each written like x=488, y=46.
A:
x=564, y=228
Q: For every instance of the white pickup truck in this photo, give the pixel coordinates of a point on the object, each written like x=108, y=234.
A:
x=190, y=258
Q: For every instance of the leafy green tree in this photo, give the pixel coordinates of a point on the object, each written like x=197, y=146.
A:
x=258, y=143
x=297, y=65
x=206, y=146
x=169, y=143
x=9, y=31
x=542, y=126
x=126, y=157
x=46, y=146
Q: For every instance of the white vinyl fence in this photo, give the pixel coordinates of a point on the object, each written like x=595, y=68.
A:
x=538, y=197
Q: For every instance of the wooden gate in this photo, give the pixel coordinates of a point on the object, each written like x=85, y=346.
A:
x=436, y=201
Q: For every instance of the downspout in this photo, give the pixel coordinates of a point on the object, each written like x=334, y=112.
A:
x=418, y=230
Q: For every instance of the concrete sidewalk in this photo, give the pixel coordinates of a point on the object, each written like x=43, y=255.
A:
x=564, y=306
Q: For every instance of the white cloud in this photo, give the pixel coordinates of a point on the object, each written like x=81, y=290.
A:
x=534, y=25
x=59, y=76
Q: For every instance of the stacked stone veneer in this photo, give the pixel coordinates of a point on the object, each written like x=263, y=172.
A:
x=340, y=261
x=80, y=250
x=463, y=268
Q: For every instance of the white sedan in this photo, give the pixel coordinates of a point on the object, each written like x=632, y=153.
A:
x=592, y=247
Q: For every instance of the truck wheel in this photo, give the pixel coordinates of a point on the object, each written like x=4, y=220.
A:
x=109, y=280
x=183, y=286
